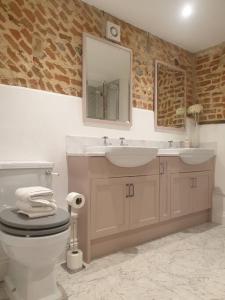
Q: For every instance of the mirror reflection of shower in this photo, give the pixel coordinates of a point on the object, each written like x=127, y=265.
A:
x=103, y=99
x=106, y=81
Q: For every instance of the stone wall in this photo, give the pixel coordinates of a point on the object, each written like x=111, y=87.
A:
x=41, y=48
x=210, y=84
x=171, y=95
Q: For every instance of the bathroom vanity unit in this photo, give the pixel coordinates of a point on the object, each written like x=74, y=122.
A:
x=128, y=206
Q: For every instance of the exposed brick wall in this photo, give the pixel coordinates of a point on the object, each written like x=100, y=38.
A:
x=171, y=93
x=41, y=48
x=210, y=84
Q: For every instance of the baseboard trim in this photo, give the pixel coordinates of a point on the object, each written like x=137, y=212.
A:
x=218, y=218
x=108, y=245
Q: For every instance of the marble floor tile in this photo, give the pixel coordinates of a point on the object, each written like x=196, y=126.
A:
x=188, y=265
x=2, y=292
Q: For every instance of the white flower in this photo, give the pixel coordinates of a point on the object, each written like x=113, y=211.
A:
x=180, y=111
x=195, y=109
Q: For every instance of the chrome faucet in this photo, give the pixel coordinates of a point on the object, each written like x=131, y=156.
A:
x=122, y=141
x=170, y=144
x=106, y=141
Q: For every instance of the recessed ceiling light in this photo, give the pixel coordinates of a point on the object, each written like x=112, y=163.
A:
x=187, y=11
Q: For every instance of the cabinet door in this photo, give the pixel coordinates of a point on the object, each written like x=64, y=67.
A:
x=109, y=211
x=181, y=203
x=200, y=191
x=165, y=197
x=144, y=204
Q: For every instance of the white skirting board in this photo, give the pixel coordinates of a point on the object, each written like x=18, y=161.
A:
x=218, y=207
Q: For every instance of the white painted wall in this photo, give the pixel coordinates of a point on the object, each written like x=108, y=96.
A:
x=214, y=133
x=33, y=126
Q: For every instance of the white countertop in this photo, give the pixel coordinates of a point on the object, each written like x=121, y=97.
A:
x=86, y=154
x=161, y=152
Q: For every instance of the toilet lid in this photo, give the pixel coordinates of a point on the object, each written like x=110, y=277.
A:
x=21, y=225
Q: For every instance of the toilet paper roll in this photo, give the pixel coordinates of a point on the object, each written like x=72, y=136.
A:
x=75, y=200
x=74, y=260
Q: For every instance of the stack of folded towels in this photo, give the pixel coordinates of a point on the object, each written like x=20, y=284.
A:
x=35, y=201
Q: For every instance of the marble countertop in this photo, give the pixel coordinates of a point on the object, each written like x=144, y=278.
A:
x=161, y=152
x=81, y=146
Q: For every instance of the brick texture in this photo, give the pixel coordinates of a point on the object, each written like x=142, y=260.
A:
x=171, y=93
x=41, y=48
x=210, y=84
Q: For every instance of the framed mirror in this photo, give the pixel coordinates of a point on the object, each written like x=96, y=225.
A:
x=170, y=97
x=107, y=88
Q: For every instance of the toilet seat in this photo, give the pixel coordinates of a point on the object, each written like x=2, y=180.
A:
x=16, y=224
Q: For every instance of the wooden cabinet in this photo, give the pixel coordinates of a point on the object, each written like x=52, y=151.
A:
x=201, y=191
x=165, y=197
x=122, y=204
x=109, y=207
x=182, y=192
x=189, y=193
x=144, y=204
x=118, y=204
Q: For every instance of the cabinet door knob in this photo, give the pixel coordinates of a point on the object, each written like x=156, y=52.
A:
x=127, y=190
x=195, y=182
x=162, y=168
x=192, y=182
x=132, y=190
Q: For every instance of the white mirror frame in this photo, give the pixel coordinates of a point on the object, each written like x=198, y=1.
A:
x=84, y=84
x=162, y=128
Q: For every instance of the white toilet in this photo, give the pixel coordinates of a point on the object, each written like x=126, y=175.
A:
x=33, y=246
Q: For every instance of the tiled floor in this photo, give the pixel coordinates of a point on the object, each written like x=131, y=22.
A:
x=2, y=293
x=189, y=265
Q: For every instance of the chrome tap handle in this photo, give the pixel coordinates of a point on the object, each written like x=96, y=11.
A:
x=122, y=141
x=170, y=144
x=106, y=140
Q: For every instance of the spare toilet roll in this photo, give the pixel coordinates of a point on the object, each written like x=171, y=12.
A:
x=75, y=200
x=74, y=259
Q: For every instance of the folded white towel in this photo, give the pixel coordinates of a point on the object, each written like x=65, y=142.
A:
x=35, y=201
x=36, y=212
x=39, y=202
x=45, y=206
x=34, y=193
x=33, y=215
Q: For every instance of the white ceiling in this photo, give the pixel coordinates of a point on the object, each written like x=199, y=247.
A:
x=203, y=29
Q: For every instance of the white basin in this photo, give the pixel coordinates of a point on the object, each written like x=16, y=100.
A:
x=125, y=156
x=191, y=156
